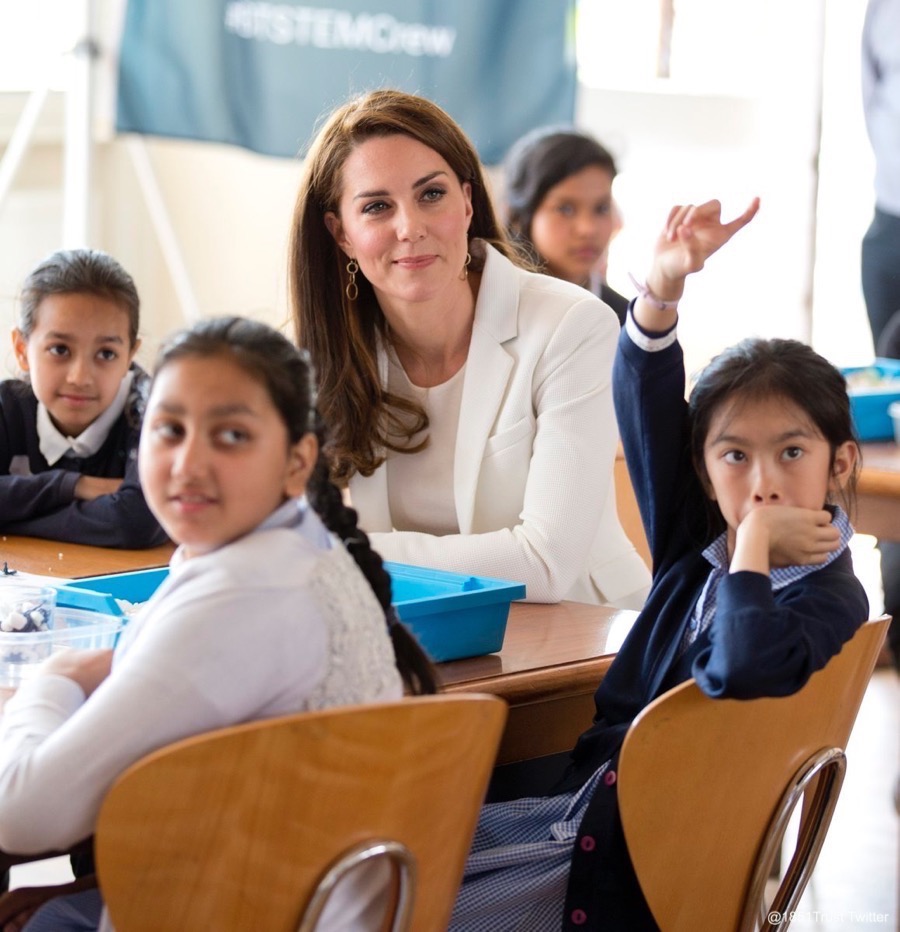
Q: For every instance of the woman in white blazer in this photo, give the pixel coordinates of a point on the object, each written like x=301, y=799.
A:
x=469, y=397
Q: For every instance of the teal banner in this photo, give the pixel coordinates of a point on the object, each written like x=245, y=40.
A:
x=261, y=75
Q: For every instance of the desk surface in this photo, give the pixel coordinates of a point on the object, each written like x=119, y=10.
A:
x=552, y=660
x=878, y=491
x=880, y=468
x=547, y=650
x=70, y=561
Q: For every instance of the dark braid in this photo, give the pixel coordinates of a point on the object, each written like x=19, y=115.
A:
x=286, y=373
x=414, y=666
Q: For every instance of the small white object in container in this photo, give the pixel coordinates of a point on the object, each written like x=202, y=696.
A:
x=26, y=608
x=894, y=412
x=23, y=650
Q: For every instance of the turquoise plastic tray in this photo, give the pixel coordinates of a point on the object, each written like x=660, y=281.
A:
x=99, y=593
x=452, y=615
x=869, y=405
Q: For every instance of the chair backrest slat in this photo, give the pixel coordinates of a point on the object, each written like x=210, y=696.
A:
x=700, y=780
x=233, y=829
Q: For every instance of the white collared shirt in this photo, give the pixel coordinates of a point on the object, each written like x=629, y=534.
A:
x=55, y=445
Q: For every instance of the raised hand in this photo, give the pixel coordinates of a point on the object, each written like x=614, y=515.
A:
x=691, y=235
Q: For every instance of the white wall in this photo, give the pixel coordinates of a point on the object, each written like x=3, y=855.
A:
x=846, y=193
x=230, y=213
x=231, y=210
x=795, y=271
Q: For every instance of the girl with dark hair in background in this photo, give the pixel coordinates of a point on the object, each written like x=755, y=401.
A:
x=560, y=207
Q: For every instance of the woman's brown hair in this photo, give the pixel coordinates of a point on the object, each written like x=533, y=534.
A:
x=342, y=336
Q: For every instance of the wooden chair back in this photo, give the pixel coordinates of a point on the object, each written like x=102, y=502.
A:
x=627, y=509
x=234, y=830
x=706, y=788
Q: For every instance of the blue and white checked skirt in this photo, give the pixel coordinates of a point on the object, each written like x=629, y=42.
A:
x=518, y=869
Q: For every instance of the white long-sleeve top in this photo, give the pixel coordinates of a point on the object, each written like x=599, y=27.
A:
x=279, y=621
x=535, y=447
x=881, y=97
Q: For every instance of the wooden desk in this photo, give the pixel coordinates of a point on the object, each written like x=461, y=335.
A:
x=69, y=561
x=552, y=661
x=878, y=492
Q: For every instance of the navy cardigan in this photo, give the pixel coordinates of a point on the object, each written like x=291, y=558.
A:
x=760, y=642
x=44, y=504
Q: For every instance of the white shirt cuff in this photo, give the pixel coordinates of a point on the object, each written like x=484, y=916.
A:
x=650, y=344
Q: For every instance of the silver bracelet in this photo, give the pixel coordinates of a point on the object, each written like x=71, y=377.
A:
x=650, y=297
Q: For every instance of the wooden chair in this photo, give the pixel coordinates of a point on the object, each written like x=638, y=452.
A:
x=250, y=827
x=627, y=509
x=707, y=786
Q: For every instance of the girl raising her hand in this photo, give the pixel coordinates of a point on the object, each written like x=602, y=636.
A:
x=753, y=587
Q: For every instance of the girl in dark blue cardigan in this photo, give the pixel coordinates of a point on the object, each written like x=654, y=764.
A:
x=753, y=588
x=69, y=430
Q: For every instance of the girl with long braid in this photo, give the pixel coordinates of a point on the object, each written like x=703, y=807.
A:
x=264, y=611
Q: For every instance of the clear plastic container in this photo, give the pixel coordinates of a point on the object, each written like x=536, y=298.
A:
x=22, y=652
x=26, y=608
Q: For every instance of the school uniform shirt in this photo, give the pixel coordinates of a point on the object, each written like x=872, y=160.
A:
x=279, y=621
x=533, y=464
x=39, y=469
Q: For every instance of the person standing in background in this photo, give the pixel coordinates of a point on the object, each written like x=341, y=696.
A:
x=881, y=244
x=881, y=107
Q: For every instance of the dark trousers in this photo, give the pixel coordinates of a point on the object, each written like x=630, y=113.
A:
x=881, y=289
x=890, y=580
x=881, y=270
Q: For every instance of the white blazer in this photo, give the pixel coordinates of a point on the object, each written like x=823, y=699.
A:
x=537, y=437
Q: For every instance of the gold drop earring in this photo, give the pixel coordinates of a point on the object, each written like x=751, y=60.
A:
x=352, y=291
x=464, y=274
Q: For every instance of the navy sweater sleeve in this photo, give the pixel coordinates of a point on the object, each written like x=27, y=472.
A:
x=649, y=397
x=769, y=644
x=121, y=519
x=45, y=489
x=24, y=496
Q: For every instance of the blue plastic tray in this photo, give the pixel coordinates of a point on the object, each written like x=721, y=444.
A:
x=452, y=615
x=869, y=404
x=99, y=593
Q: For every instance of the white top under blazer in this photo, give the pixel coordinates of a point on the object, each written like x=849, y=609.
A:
x=535, y=448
